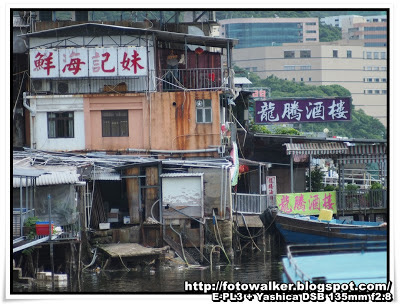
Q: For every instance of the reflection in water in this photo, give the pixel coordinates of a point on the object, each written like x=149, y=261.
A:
x=254, y=268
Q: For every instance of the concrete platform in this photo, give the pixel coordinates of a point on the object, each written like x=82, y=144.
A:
x=131, y=250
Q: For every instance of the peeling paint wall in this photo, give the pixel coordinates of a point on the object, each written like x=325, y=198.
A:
x=173, y=121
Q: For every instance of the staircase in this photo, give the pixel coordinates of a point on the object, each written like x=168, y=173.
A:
x=178, y=249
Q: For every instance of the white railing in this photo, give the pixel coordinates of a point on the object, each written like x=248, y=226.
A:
x=250, y=203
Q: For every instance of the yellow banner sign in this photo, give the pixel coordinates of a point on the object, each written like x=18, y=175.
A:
x=306, y=203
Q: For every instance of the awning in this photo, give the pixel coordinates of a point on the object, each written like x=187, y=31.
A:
x=316, y=149
x=364, y=153
x=351, y=159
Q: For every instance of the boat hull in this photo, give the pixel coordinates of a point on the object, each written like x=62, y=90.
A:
x=302, y=230
x=360, y=262
x=338, y=268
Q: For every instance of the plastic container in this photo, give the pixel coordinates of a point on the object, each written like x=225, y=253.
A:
x=325, y=215
x=42, y=227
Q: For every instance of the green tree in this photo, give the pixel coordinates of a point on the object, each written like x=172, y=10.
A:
x=317, y=177
x=329, y=33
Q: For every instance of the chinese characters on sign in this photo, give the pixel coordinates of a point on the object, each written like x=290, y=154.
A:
x=84, y=62
x=303, y=110
x=271, y=189
x=44, y=63
x=306, y=203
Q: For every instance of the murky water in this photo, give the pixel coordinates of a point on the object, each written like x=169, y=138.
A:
x=251, y=268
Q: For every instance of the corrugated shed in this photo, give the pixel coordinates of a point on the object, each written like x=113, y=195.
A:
x=50, y=178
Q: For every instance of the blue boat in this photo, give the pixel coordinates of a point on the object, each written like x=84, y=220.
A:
x=302, y=229
x=356, y=262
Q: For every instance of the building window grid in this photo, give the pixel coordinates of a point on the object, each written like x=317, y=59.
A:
x=288, y=54
x=60, y=124
x=115, y=123
x=305, y=53
x=375, y=91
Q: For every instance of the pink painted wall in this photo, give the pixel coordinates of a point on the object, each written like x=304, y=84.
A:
x=137, y=129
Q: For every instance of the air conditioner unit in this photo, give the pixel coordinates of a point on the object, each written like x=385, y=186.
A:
x=40, y=86
x=62, y=87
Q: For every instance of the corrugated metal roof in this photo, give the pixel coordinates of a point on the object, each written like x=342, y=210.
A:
x=90, y=29
x=242, y=81
x=62, y=176
x=27, y=172
x=174, y=175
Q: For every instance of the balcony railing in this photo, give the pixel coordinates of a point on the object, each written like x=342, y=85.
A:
x=361, y=200
x=207, y=79
x=351, y=201
x=191, y=79
x=249, y=203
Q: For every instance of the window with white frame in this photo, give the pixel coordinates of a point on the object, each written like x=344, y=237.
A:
x=289, y=67
x=203, y=111
x=60, y=124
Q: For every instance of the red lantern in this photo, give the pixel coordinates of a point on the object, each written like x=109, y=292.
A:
x=243, y=168
x=199, y=51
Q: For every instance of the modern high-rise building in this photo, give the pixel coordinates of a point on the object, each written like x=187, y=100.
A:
x=362, y=70
x=372, y=30
x=261, y=32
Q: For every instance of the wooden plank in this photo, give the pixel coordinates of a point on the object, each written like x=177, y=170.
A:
x=252, y=221
x=132, y=189
x=151, y=193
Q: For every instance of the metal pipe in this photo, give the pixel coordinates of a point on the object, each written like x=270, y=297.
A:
x=20, y=206
x=225, y=187
x=174, y=151
x=32, y=120
x=310, y=174
x=291, y=171
x=221, y=187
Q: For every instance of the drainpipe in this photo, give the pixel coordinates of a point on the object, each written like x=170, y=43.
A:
x=32, y=120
